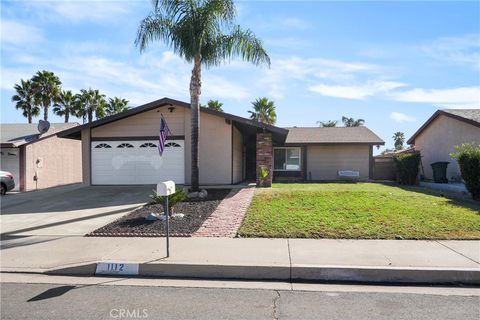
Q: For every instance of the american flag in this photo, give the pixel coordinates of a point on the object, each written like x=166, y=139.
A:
x=162, y=135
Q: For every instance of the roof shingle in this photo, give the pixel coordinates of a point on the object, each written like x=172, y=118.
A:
x=20, y=133
x=471, y=114
x=320, y=135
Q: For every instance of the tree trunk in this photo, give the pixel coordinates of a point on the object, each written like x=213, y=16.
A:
x=90, y=116
x=29, y=116
x=195, y=91
x=45, y=112
x=67, y=115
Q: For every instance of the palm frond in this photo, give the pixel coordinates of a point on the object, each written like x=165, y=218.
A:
x=154, y=27
x=240, y=43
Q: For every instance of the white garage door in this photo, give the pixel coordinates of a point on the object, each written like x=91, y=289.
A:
x=137, y=162
x=10, y=161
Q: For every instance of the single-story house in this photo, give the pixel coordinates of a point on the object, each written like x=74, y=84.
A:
x=122, y=149
x=39, y=160
x=438, y=136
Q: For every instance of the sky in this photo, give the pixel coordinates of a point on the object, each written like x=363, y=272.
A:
x=392, y=64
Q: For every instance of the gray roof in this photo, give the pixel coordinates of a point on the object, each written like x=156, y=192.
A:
x=471, y=114
x=317, y=135
x=17, y=134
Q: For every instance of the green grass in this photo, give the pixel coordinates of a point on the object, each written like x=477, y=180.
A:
x=358, y=211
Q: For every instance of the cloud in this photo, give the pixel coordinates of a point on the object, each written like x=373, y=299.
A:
x=401, y=117
x=80, y=11
x=151, y=76
x=19, y=33
x=284, y=72
x=458, y=50
x=219, y=87
x=357, y=92
x=454, y=97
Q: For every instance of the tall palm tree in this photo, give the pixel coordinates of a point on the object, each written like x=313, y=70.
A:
x=399, y=139
x=65, y=105
x=89, y=103
x=215, y=105
x=263, y=111
x=327, y=124
x=350, y=122
x=47, y=89
x=25, y=99
x=116, y=105
x=203, y=32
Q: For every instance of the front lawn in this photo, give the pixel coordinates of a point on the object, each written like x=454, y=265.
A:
x=358, y=211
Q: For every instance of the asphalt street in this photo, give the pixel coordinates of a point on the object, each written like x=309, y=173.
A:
x=59, y=301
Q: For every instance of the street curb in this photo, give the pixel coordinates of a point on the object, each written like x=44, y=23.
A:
x=417, y=275
x=296, y=273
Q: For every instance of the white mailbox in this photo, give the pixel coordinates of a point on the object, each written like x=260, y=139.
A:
x=166, y=188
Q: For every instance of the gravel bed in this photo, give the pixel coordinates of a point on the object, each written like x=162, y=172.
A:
x=134, y=224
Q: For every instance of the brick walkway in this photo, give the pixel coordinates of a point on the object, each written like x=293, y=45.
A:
x=227, y=218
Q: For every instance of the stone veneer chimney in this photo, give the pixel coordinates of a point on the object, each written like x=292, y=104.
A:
x=264, y=159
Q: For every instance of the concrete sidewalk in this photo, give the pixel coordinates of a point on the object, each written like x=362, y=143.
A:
x=404, y=261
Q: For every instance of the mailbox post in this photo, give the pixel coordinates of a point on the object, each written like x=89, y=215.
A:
x=165, y=189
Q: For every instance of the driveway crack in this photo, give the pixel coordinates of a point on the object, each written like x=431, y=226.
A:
x=276, y=302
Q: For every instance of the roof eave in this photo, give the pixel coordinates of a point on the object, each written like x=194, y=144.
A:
x=75, y=133
x=434, y=116
x=377, y=143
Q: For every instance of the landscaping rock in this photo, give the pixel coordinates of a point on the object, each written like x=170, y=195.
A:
x=192, y=195
x=195, y=211
x=152, y=217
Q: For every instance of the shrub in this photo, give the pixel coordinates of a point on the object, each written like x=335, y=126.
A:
x=468, y=158
x=173, y=199
x=407, y=167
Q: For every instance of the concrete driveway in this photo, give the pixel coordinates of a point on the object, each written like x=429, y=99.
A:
x=67, y=211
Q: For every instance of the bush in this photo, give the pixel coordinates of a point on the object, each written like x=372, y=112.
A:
x=468, y=158
x=407, y=167
x=173, y=199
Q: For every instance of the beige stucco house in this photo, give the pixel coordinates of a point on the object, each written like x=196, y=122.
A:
x=438, y=136
x=39, y=161
x=122, y=149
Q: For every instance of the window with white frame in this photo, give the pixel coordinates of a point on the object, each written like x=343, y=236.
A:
x=286, y=159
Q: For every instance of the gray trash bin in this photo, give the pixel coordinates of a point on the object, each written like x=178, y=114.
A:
x=440, y=171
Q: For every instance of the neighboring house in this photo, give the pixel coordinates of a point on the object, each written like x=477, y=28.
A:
x=37, y=160
x=122, y=149
x=384, y=167
x=438, y=136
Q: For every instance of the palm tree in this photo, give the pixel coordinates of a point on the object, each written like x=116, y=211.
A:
x=25, y=100
x=47, y=89
x=89, y=103
x=399, y=139
x=65, y=105
x=263, y=111
x=327, y=124
x=215, y=105
x=116, y=105
x=203, y=32
x=350, y=122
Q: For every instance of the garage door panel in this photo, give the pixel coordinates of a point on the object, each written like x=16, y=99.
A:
x=140, y=164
